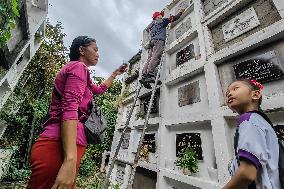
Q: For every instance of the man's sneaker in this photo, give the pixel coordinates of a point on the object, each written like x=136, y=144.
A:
x=144, y=76
x=145, y=83
x=151, y=79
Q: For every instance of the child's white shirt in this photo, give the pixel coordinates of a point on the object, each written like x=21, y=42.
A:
x=259, y=144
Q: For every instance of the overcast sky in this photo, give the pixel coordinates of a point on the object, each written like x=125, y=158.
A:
x=117, y=25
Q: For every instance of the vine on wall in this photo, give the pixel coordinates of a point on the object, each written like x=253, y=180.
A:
x=9, y=13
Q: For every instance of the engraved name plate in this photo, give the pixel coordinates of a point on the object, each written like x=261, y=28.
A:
x=185, y=54
x=182, y=5
x=240, y=24
x=189, y=94
x=125, y=141
x=263, y=70
x=120, y=173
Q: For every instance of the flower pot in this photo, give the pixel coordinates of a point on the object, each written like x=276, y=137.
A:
x=186, y=171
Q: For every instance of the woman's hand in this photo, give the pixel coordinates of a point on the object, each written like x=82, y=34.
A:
x=120, y=70
x=66, y=175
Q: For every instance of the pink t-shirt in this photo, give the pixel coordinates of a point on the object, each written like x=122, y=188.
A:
x=75, y=87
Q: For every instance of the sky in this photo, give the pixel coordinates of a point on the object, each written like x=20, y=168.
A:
x=117, y=25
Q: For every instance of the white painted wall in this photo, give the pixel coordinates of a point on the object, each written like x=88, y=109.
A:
x=36, y=15
x=210, y=117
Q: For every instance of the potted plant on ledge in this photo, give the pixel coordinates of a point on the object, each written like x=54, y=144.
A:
x=140, y=115
x=187, y=161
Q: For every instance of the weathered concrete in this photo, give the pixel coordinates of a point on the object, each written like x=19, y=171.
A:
x=266, y=13
x=26, y=39
x=191, y=99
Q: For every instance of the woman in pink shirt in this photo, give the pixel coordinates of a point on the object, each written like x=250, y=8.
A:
x=56, y=155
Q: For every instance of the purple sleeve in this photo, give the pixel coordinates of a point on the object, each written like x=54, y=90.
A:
x=75, y=86
x=249, y=156
x=98, y=89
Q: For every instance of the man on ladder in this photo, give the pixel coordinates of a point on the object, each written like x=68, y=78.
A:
x=158, y=34
x=157, y=30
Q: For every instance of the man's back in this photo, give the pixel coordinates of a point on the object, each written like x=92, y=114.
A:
x=158, y=29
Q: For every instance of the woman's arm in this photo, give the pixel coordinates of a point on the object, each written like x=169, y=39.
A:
x=120, y=70
x=67, y=173
x=99, y=89
x=69, y=134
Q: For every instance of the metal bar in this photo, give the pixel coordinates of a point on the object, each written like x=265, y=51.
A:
x=137, y=155
x=135, y=163
x=113, y=159
x=125, y=162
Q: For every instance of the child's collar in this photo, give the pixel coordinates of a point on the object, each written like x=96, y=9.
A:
x=262, y=114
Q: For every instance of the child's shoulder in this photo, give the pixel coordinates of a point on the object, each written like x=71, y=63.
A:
x=244, y=117
x=254, y=119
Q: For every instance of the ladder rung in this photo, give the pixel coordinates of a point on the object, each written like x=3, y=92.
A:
x=125, y=162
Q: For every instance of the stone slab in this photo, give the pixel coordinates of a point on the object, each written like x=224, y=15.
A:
x=267, y=15
x=145, y=104
x=262, y=70
x=125, y=142
x=185, y=54
x=182, y=5
x=240, y=24
x=149, y=139
x=265, y=64
x=189, y=140
x=211, y=5
x=189, y=94
x=120, y=172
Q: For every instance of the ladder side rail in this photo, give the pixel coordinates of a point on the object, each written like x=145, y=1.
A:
x=113, y=159
x=137, y=154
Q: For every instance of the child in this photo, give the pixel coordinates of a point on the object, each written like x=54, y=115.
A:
x=157, y=30
x=256, y=146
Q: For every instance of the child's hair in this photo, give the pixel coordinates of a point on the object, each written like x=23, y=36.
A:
x=253, y=87
x=83, y=41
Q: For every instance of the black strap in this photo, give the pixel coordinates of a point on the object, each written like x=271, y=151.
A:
x=47, y=117
x=57, y=94
x=81, y=116
x=236, y=141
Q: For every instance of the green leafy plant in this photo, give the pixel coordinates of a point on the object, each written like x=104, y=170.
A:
x=28, y=105
x=16, y=171
x=92, y=157
x=188, y=160
x=9, y=13
x=119, y=100
x=94, y=181
x=140, y=115
x=144, y=152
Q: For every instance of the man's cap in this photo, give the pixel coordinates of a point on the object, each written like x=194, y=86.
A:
x=156, y=14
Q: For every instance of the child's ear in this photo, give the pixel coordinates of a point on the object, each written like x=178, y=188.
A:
x=256, y=95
